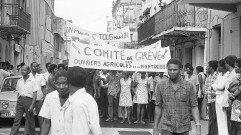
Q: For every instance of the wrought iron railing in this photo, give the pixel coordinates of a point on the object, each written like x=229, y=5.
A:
x=173, y=15
x=14, y=15
x=146, y=29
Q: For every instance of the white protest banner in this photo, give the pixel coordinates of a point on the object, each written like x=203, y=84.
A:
x=87, y=37
x=87, y=56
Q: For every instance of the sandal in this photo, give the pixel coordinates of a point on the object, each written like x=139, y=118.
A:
x=122, y=121
x=143, y=122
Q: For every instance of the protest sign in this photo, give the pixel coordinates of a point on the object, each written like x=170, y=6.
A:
x=96, y=57
x=87, y=37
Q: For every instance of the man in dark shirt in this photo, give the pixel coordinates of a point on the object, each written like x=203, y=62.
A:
x=174, y=99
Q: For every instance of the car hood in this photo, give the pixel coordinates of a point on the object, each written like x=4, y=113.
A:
x=9, y=96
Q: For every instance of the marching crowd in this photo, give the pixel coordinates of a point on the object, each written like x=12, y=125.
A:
x=168, y=99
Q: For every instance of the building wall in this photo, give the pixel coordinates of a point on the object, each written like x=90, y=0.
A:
x=40, y=43
x=226, y=41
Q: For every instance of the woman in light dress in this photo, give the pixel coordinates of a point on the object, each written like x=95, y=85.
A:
x=141, y=96
x=125, y=101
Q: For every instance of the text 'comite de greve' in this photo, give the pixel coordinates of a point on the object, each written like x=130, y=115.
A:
x=119, y=54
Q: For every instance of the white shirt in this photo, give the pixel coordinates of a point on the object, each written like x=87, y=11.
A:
x=192, y=79
x=46, y=76
x=231, y=77
x=219, y=86
x=27, y=88
x=40, y=81
x=101, y=82
x=51, y=109
x=198, y=83
x=151, y=81
x=81, y=116
x=3, y=75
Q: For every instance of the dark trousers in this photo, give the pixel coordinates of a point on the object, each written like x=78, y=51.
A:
x=38, y=106
x=200, y=100
x=104, y=101
x=233, y=127
x=151, y=108
x=112, y=106
x=22, y=107
x=236, y=128
x=165, y=132
x=212, y=123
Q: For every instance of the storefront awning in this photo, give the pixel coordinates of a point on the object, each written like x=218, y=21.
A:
x=179, y=32
x=224, y=5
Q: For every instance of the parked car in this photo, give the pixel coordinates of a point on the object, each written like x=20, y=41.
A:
x=8, y=97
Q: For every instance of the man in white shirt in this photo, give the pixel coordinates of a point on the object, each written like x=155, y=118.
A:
x=51, y=109
x=41, y=84
x=46, y=75
x=232, y=76
x=81, y=114
x=27, y=89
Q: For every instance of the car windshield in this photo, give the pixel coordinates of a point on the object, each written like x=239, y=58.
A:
x=9, y=84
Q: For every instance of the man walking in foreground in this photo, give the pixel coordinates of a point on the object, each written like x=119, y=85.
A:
x=51, y=109
x=81, y=114
x=174, y=99
x=27, y=90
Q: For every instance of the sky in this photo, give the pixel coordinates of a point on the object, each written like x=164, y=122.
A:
x=88, y=14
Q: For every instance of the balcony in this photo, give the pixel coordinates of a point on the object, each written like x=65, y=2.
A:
x=173, y=21
x=14, y=20
x=146, y=31
x=224, y=5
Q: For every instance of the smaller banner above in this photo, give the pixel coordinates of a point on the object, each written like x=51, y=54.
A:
x=95, y=57
x=87, y=37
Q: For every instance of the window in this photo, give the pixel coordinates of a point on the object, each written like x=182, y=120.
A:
x=10, y=84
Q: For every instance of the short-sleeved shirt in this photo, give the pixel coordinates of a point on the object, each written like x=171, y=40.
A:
x=208, y=89
x=27, y=88
x=3, y=75
x=46, y=76
x=40, y=81
x=81, y=114
x=113, y=84
x=51, y=110
x=50, y=84
x=176, y=105
x=192, y=79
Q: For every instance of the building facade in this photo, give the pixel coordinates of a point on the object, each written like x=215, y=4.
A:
x=15, y=26
x=181, y=27
x=224, y=33
x=126, y=13
x=26, y=31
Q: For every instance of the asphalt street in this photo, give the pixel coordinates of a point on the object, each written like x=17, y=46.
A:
x=108, y=128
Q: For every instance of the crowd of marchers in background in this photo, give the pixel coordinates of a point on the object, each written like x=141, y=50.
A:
x=131, y=97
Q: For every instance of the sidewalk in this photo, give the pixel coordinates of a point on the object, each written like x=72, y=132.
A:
x=139, y=130
x=143, y=131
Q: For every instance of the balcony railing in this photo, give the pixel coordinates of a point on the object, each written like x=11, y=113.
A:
x=173, y=15
x=13, y=18
x=146, y=29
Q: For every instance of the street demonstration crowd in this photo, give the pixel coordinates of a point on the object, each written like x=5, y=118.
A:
x=71, y=101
